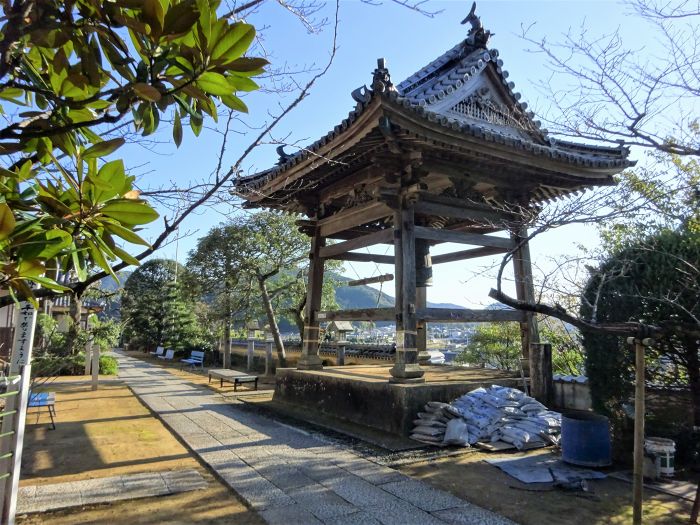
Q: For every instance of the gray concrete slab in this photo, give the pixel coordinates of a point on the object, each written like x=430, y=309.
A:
x=55, y=496
x=472, y=515
x=422, y=495
x=287, y=475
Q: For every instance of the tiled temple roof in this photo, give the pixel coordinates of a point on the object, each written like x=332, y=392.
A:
x=445, y=77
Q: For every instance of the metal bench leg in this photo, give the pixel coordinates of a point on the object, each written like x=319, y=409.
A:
x=52, y=413
x=256, y=383
x=235, y=384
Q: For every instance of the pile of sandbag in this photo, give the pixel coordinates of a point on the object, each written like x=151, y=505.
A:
x=431, y=423
x=494, y=414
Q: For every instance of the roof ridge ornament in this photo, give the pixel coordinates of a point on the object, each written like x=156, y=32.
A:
x=381, y=80
x=477, y=36
x=361, y=95
x=284, y=156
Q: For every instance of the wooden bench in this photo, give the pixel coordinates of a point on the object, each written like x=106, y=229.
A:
x=232, y=376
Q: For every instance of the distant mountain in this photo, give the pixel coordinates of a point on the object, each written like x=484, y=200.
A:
x=354, y=297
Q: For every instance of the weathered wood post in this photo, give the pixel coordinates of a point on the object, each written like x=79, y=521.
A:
x=406, y=368
x=15, y=412
x=340, y=352
x=524, y=288
x=88, y=359
x=269, y=341
x=251, y=347
x=309, y=359
x=424, y=278
x=541, y=381
x=95, y=365
x=638, y=470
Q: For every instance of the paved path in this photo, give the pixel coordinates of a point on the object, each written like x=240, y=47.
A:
x=55, y=496
x=286, y=475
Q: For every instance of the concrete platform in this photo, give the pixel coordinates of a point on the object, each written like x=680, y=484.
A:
x=364, y=395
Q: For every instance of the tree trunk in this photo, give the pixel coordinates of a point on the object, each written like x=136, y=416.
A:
x=299, y=317
x=690, y=346
x=281, y=356
x=76, y=314
x=227, y=342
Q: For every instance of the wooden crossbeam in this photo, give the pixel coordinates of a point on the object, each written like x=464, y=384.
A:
x=353, y=217
x=467, y=254
x=359, y=242
x=434, y=234
x=370, y=280
x=441, y=206
x=364, y=257
x=454, y=315
x=362, y=314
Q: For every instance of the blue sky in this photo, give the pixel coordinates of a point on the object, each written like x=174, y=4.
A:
x=408, y=40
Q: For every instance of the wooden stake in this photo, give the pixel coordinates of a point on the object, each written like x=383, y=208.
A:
x=637, y=474
x=95, y=365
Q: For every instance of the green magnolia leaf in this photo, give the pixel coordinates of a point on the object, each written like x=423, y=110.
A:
x=11, y=94
x=177, y=129
x=242, y=83
x=234, y=42
x=248, y=64
x=214, y=83
x=152, y=13
x=124, y=256
x=103, y=148
x=44, y=245
x=235, y=103
x=7, y=221
x=196, y=122
x=48, y=283
x=111, y=181
x=98, y=256
x=130, y=211
x=146, y=92
x=30, y=268
x=123, y=232
x=79, y=265
x=181, y=17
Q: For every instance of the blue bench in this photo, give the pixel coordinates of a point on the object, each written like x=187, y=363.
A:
x=44, y=399
x=196, y=359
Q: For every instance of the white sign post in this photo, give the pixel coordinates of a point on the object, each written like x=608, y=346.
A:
x=16, y=409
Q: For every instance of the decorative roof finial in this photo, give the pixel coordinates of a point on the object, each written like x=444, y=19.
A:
x=476, y=37
x=381, y=80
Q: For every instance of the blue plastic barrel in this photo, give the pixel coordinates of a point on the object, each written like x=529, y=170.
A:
x=449, y=355
x=585, y=439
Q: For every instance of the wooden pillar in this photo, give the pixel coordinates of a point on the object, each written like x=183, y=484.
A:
x=269, y=341
x=250, y=351
x=309, y=359
x=406, y=368
x=639, y=410
x=524, y=289
x=422, y=327
x=541, y=381
x=424, y=278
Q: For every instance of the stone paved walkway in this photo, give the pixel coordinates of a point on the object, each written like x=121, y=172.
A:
x=55, y=496
x=286, y=475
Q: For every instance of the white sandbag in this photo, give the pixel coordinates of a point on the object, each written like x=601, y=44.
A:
x=429, y=431
x=456, y=433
